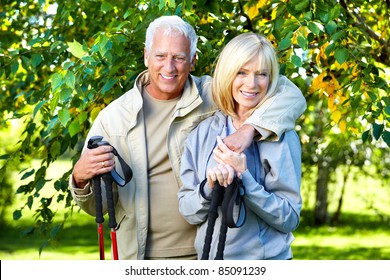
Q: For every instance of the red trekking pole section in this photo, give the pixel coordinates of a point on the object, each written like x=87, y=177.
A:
x=114, y=245
x=111, y=213
x=101, y=241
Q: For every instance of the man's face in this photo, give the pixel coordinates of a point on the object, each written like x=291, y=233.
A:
x=169, y=65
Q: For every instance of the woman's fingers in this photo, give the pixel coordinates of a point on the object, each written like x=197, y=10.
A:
x=223, y=174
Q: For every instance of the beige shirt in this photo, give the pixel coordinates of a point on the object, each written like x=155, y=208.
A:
x=166, y=225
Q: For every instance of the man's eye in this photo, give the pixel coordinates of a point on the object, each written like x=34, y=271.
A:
x=180, y=58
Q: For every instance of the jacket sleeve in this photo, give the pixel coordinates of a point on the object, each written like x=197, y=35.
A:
x=277, y=201
x=280, y=111
x=192, y=205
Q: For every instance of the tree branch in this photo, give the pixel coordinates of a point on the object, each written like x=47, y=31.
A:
x=360, y=23
x=249, y=25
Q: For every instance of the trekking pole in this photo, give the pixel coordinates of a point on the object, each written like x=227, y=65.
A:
x=216, y=199
x=111, y=213
x=99, y=214
x=223, y=230
x=108, y=179
x=227, y=198
x=92, y=144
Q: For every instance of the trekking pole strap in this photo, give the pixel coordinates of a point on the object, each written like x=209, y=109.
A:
x=97, y=141
x=234, y=195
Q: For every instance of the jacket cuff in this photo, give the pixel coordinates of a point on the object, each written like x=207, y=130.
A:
x=77, y=191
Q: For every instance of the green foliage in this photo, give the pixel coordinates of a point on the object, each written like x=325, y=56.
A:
x=59, y=69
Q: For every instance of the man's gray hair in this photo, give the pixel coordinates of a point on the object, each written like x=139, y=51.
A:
x=171, y=25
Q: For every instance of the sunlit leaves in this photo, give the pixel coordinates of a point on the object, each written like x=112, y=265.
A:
x=70, y=79
x=56, y=81
x=76, y=49
x=64, y=116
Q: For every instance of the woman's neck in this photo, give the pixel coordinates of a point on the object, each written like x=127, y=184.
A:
x=238, y=121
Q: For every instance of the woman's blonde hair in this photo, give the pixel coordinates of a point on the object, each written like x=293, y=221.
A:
x=239, y=51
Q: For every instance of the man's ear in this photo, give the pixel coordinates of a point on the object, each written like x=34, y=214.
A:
x=193, y=62
x=146, y=58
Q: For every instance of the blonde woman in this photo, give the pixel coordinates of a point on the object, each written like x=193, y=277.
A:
x=245, y=77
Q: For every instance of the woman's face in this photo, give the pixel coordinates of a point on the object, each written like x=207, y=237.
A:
x=250, y=86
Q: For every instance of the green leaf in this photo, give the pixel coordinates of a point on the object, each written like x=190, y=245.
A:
x=34, y=41
x=302, y=42
x=296, y=60
x=341, y=55
x=387, y=110
x=56, y=81
x=14, y=66
x=386, y=137
x=338, y=35
x=103, y=44
x=55, y=149
x=356, y=85
x=76, y=49
x=329, y=49
x=377, y=130
x=17, y=215
x=106, y=7
x=70, y=79
x=335, y=12
x=65, y=94
x=372, y=96
x=161, y=5
x=74, y=128
x=314, y=27
x=53, y=102
x=38, y=107
x=128, y=13
x=284, y=44
x=108, y=85
x=36, y=59
x=27, y=174
x=365, y=135
x=64, y=116
x=5, y=157
x=302, y=5
x=331, y=27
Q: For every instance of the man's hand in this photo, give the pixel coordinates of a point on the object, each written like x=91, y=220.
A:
x=223, y=155
x=241, y=139
x=93, y=162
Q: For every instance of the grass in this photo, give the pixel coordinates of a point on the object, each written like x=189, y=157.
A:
x=363, y=232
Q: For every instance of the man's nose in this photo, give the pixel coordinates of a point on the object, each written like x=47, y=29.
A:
x=169, y=64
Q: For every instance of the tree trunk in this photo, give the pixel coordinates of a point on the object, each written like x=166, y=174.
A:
x=321, y=207
x=336, y=216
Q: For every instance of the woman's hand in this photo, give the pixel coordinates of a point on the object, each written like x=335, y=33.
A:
x=223, y=155
x=223, y=174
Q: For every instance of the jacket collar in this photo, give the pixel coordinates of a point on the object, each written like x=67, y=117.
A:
x=190, y=98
